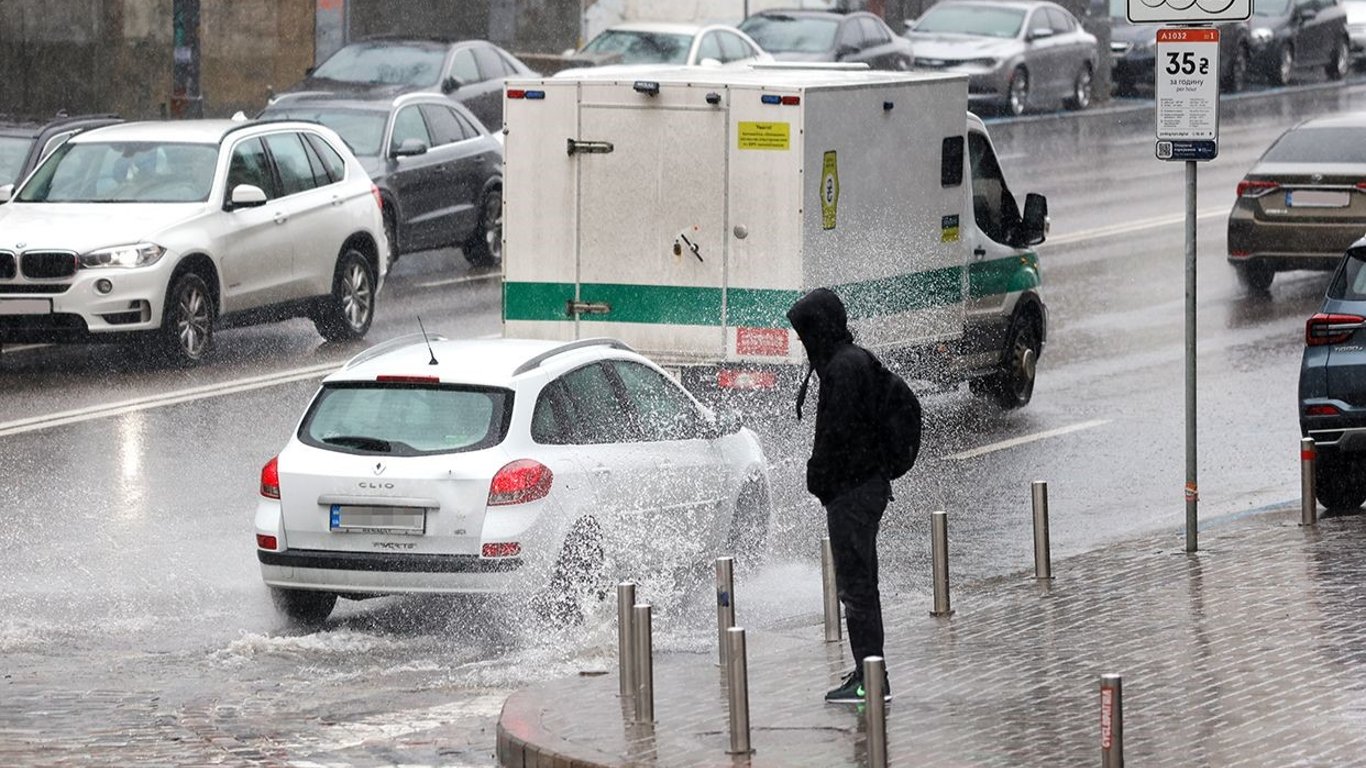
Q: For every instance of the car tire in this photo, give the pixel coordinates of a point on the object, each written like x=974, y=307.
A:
x=304, y=607
x=1285, y=65
x=1254, y=276
x=187, y=320
x=346, y=313
x=1341, y=61
x=1235, y=79
x=578, y=574
x=485, y=245
x=749, y=525
x=1017, y=92
x=391, y=233
x=1339, y=484
x=1013, y=385
x=1081, y=88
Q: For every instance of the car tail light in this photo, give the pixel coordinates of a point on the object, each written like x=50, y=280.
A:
x=270, y=479
x=727, y=378
x=519, y=482
x=1239, y=254
x=1250, y=188
x=1322, y=410
x=501, y=549
x=1325, y=328
x=267, y=542
x=379, y=200
x=398, y=379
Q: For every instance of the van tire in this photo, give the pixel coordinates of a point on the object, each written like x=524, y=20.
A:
x=1013, y=385
x=303, y=607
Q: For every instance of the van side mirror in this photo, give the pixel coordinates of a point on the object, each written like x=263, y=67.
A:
x=6, y=192
x=246, y=196
x=1034, y=226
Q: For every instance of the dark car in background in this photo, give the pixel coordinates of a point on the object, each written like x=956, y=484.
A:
x=1332, y=390
x=23, y=142
x=471, y=72
x=1302, y=203
x=1291, y=35
x=799, y=35
x=438, y=170
x=1133, y=48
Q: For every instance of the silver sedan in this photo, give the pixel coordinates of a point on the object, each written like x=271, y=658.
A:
x=1017, y=54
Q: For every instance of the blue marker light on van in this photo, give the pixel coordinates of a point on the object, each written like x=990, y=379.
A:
x=771, y=98
x=535, y=94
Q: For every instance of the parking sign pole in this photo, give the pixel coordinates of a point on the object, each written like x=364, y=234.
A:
x=1192, y=486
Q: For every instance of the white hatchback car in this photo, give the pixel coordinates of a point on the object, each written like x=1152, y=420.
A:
x=502, y=465
x=164, y=230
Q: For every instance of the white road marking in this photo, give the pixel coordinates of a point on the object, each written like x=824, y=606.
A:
x=1133, y=226
x=1025, y=439
x=459, y=280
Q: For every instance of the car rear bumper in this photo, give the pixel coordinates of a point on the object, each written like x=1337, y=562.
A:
x=1288, y=244
x=383, y=573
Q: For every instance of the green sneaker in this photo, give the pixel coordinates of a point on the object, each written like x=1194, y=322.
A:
x=851, y=690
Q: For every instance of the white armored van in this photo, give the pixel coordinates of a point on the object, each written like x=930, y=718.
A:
x=683, y=211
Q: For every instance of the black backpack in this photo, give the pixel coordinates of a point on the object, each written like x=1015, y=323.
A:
x=898, y=421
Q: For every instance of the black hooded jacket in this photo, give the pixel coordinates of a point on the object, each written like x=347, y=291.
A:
x=845, y=453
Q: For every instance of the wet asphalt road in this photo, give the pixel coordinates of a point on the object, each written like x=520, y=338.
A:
x=126, y=490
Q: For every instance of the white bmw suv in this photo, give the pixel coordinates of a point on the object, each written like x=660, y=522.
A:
x=162, y=231
x=498, y=466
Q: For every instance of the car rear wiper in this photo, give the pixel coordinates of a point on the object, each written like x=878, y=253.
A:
x=358, y=441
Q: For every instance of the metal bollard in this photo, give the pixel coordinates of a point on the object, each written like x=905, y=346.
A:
x=1111, y=722
x=939, y=536
x=1309, y=510
x=1043, y=564
x=831, y=592
x=626, y=641
x=725, y=604
x=737, y=691
x=874, y=674
x=645, y=665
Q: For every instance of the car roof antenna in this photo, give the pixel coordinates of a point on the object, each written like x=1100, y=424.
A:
x=428, y=340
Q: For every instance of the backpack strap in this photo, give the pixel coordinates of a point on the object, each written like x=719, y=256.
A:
x=801, y=391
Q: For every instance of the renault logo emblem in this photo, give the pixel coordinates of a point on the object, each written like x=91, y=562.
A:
x=1316, y=178
x=379, y=468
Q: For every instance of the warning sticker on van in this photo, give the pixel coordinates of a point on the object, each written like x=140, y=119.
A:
x=767, y=342
x=764, y=136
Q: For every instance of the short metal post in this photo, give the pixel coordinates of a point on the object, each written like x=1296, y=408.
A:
x=737, y=685
x=832, y=598
x=725, y=604
x=1309, y=510
x=1043, y=564
x=645, y=665
x=874, y=675
x=939, y=535
x=626, y=640
x=1111, y=722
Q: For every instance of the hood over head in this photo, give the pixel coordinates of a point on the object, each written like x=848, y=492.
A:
x=820, y=320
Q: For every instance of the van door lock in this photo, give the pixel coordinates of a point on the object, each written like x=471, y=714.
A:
x=573, y=308
x=589, y=147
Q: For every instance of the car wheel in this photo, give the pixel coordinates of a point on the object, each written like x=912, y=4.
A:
x=346, y=313
x=1017, y=92
x=1285, y=65
x=485, y=246
x=304, y=607
x=1338, y=484
x=187, y=320
x=1254, y=276
x=749, y=524
x=1235, y=79
x=1013, y=386
x=391, y=233
x=1341, y=61
x=577, y=576
x=1081, y=89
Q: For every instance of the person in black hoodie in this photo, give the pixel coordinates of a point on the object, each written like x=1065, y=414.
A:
x=845, y=469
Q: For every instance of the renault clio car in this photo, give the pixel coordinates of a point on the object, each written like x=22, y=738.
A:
x=502, y=465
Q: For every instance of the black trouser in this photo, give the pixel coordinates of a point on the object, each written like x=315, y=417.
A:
x=852, y=519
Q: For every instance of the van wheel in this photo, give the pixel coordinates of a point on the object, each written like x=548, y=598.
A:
x=1013, y=385
x=577, y=576
x=749, y=525
x=1017, y=93
x=1081, y=89
x=187, y=320
x=304, y=607
x=1254, y=276
x=485, y=246
x=346, y=313
x=1338, y=484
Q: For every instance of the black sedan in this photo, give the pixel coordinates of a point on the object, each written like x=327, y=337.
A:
x=24, y=142
x=1290, y=35
x=438, y=170
x=829, y=36
x=468, y=71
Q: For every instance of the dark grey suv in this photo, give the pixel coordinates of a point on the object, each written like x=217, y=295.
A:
x=1333, y=384
x=438, y=169
x=24, y=142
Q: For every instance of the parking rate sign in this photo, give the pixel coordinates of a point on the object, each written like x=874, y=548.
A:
x=1187, y=87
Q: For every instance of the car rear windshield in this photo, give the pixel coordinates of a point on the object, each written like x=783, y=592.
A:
x=13, y=150
x=1350, y=281
x=642, y=47
x=123, y=172
x=966, y=19
x=362, y=130
x=385, y=64
x=1319, y=145
x=791, y=34
x=399, y=419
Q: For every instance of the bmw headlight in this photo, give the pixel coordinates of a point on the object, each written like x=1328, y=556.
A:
x=135, y=255
x=1262, y=35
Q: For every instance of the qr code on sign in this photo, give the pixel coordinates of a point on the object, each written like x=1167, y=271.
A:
x=1164, y=150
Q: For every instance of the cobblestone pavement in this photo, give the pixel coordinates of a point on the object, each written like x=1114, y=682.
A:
x=1250, y=653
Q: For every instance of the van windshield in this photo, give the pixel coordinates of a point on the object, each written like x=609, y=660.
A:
x=402, y=419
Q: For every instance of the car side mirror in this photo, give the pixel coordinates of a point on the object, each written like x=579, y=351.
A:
x=1040, y=34
x=1306, y=14
x=246, y=196
x=451, y=84
x=709, y=62
x=410, y=148
x=6, y=192
x=1034, y=225
x=726, y=420
x=845, y=50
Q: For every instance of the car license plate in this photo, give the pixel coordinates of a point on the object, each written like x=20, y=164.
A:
x=1317, y=198
x=25, y=306
x=358, y=519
